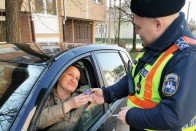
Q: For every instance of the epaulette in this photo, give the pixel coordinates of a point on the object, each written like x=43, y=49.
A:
x=181, y=43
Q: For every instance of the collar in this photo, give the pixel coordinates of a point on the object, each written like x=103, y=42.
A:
x=173, y=32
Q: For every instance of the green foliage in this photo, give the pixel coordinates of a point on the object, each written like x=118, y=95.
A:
x=133, y=54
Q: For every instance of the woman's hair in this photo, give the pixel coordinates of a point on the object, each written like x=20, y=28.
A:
x=77, y=66
x=82, y=80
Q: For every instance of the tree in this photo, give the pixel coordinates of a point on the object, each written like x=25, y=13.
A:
x=126, y=15
x=12, y=22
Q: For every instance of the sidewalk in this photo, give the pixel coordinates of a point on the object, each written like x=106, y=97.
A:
x=138, y=46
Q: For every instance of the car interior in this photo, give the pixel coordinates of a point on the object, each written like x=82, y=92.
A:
x=87, y=80
x=91, y=111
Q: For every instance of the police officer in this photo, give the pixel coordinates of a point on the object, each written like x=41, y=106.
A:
x=164, y=72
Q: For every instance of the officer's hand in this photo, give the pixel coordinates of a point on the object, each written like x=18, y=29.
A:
x=122, y=114
x=97, y=96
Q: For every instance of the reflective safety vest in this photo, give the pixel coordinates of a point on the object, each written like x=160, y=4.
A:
x=147, y=81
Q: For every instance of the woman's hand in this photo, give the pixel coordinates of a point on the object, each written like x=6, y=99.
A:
x=76, y=102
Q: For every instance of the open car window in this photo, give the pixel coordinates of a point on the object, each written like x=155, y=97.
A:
x=91, y=112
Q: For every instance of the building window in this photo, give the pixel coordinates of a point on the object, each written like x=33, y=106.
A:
x=39, y=5
x=46, y=7
x=2, y=31
x=97, y=30
x=87, y=31
x=2, y=27
x=79, y=31
x=51, y=7
x=101, y=29
x=97, y=1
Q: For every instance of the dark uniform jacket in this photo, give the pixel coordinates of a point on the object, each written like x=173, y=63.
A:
x=173, y=112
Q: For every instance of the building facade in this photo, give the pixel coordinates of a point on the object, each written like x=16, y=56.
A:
x=57, y=21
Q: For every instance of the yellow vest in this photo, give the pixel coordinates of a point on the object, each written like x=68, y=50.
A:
x=147, y=81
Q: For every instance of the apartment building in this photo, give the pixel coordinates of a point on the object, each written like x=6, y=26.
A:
x=57, y=21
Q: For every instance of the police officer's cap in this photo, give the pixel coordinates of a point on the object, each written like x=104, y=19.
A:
x=156, y=8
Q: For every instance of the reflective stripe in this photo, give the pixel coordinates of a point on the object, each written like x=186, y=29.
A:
x=148, y=83
x=146, y=100
x=189, y=40
x=142, y=103
x=187, y=129
x=193, y=128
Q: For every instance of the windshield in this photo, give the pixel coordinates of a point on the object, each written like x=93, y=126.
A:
x=16, y=81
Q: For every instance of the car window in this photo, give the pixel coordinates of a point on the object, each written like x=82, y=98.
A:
x=92, y=112
x=16, y=81
x=125, y=57
x=112, y=67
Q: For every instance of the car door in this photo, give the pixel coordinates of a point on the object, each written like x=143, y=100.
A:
x=98, y=117
x=94, y=117
x=90, y=79
x=111, y=66
x=90, y=118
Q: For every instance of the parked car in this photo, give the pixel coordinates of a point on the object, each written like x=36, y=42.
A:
x=28, y=72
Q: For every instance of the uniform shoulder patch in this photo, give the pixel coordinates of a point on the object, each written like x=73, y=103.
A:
x=181, y=43
x=144, y=72
x=170, y=84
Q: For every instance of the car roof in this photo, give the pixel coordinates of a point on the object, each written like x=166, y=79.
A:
x=36, y=53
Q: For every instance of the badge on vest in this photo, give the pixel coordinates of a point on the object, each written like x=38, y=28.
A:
x=170, y=84
x=144, y=72
x=181, y=43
